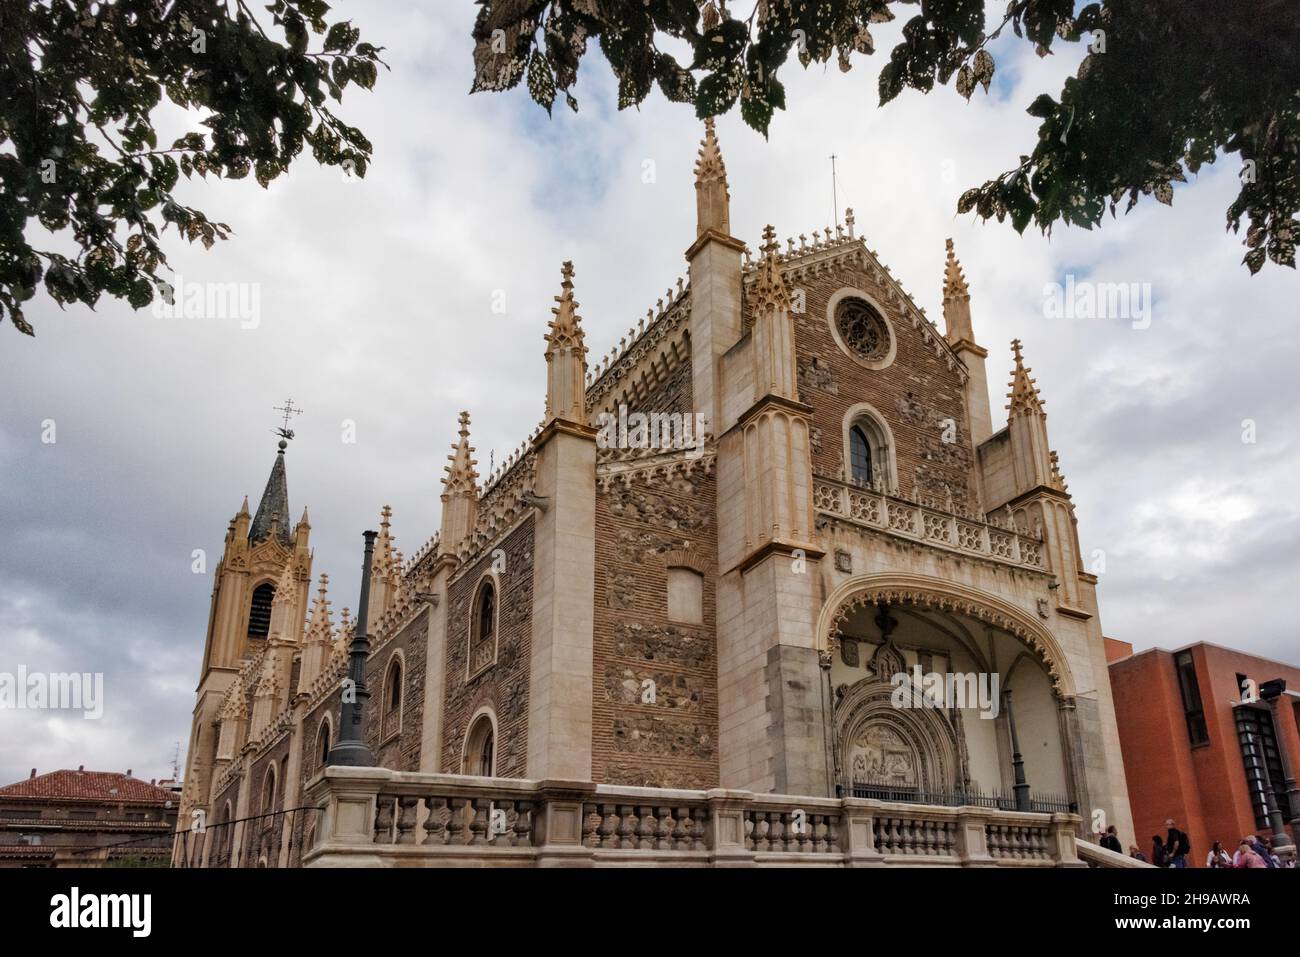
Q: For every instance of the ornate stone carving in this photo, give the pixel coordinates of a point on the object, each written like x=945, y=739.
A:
x=862, y=329
x=816, y=373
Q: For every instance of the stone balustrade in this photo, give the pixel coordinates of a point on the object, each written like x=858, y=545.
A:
x=922, y=523
x=373, y=817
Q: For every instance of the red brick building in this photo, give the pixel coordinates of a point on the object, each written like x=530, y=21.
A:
x=86, y=818
x=1202, y=731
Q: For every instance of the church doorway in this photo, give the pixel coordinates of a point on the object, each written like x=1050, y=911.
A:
x=480, y=748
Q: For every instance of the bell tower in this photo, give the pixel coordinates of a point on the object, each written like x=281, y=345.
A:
x=259, y=599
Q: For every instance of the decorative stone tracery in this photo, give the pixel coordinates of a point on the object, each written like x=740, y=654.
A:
x=937, y=595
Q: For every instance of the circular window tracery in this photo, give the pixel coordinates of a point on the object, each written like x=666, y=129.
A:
x=862, y=329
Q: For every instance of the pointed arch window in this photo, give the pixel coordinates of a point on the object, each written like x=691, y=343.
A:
x=259, y=610
x=483, y=628
x=860, y=456
x=869, y=450
x=323, y=741
x=480, y=747
x=393, y=698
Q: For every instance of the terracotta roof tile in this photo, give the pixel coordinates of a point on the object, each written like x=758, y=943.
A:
x=105, y=786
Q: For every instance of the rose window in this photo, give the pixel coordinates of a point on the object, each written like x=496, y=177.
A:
x=862, y=329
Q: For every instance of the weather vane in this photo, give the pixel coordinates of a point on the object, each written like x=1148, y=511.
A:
x=289, y=410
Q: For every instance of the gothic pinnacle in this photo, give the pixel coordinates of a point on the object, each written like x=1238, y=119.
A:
x=954, y=282
x=1024, y=396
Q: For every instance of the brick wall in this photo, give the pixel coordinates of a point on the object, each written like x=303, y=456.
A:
x=395, y=744
x=915, y=394
x=642, y=530
x=503, y=685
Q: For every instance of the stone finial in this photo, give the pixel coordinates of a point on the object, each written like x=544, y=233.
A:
x=321, y=628
x=566, y=328
x=849, y=221
x=461, y=476
x=566, y=356
x=1024, y=396
x=956, y=301
x=769, y=286
x=712, y=196
x=954, y=282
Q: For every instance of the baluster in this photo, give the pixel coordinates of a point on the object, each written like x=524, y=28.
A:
x=406, y=820
x=523, y=830
x=479, y=822
x=627, y=827
x=456, y=823
x=646, y=828
x=832, y=834
x=608, y=826
x=664, y=833
x=810, y=839
x=778, y=831
x=383, y=822
x=682, y=830
x=699, y=829
x=760, y=831
x=435, y=825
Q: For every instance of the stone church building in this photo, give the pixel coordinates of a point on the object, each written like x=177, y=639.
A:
x=675, y=624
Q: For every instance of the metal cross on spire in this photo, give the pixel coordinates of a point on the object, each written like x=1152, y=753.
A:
x=289, y=410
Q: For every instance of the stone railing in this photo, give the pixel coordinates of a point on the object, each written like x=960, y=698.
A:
x=1094, y=855
x=930, y=526
x=373, y=817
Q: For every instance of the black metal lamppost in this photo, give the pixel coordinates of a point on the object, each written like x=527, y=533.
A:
x=350, y=750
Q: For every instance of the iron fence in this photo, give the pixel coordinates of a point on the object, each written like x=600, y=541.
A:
x=971, y=795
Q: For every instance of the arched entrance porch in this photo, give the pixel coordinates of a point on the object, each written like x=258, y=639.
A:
x=940, y=694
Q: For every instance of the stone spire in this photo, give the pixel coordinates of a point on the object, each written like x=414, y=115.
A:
x=712, y=197
x=775, y=372
x=460, y=492
x=1027, y=423
x=273, y=509
x=956, y=301
x=242, y=520
x=383, y=569
x=769, y=285
x=283, y=625
x=1024, y=396
x=320, y=639
x=566, y=357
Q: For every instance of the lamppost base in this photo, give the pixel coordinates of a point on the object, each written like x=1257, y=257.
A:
x=350, y=754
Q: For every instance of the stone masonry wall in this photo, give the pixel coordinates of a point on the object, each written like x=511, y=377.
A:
x=396, y=745
x=503, y=685
x=915, y=394
x=640, y=531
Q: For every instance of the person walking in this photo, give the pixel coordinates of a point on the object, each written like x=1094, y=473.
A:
x=1218, y=857
x=1159, y=856
x=1110, y=841
x=1177, y=844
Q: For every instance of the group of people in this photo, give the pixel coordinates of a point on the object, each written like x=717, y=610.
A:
x=1175, y=850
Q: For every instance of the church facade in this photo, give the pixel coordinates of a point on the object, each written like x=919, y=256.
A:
x=771, y=546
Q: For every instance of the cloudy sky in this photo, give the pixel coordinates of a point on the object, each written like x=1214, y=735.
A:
x=376, y=307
